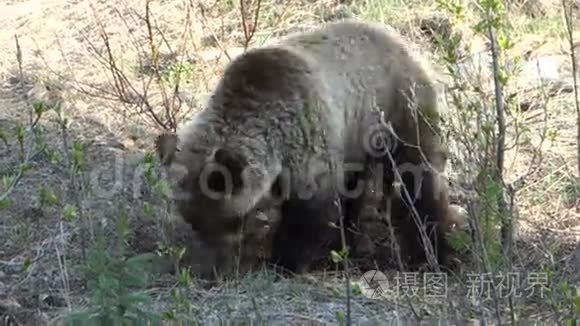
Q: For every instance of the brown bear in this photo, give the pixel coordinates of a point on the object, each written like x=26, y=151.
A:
x=301, y=122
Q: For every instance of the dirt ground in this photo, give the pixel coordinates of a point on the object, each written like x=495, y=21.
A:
x=44, y=247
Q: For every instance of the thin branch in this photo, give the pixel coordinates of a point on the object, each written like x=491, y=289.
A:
x=396, y=248
x=568, y=19
x=156, y=70
x=249, y=31
x=537, y=158
x=213, y=33
x=507, y=225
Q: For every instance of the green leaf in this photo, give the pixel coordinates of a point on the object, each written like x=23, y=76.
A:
x=20, y=134
x=147, y=209
x=39, y=107
x=47, y=197
x=169, y=315
x=54, y=156
x=26, y=265
x=335, y=292
x=341, y=317
x=162, y=188
x=3, y=137
x=26, y=167
x=70, y=213
x=7, y=181
x=78, y=155
x=185, y=277
x=480, y=27
x=505, y=42
x=149, y=158
x=4, y=203
x=336, y=258
x=356, y=290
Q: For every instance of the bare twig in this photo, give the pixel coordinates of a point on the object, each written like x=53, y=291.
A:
x=156, y=68
x=346, y=263
x=208, y=26
x=249, y=31
x=61, y=258
x=396, y=247
x=21, y=75
x=124, y=90
x=537, y=158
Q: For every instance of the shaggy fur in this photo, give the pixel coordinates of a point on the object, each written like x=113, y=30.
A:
x=283, y=122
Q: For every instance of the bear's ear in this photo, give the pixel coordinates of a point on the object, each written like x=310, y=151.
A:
x=234, y=162
x=165, y=146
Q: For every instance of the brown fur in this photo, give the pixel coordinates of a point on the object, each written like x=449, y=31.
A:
x=284, y=120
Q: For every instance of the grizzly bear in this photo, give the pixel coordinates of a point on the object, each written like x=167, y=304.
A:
x=301, y=122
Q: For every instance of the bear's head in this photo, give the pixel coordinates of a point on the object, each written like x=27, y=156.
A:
x=213, y=188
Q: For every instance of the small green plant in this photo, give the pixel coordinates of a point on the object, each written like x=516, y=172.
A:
x=30, y=141
x=570, y=301
x=340, y=317
x=339, y=256
x=46, y=197
x=183, y=309
x=571, y=191
x=475, y=126
x=460, y=241
x=479, y=127
x=115, y=283
x=181, y=71
x=564, y=299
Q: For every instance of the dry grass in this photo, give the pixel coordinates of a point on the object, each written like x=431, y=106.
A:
x=61, y=46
